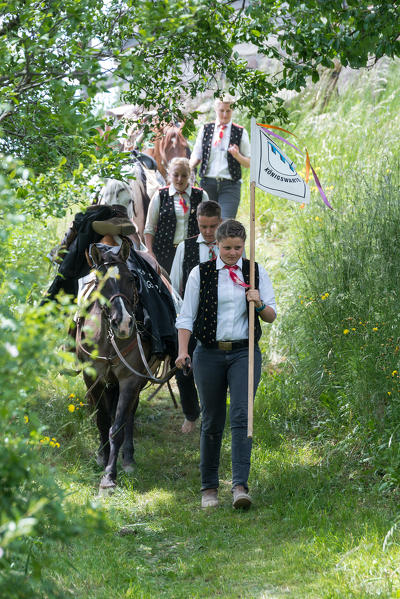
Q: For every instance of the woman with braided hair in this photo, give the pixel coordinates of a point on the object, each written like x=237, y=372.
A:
x=172, y=213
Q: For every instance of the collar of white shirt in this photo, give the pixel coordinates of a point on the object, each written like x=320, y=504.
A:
x=200, y=239
x=172, y=191
x=228, y=125
x=220, y=265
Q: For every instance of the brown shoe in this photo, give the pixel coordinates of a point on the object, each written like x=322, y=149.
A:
x=114, y=226
x=209, y=498
x=241, y=498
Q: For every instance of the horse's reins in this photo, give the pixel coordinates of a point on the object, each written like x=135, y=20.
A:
x=126, y=350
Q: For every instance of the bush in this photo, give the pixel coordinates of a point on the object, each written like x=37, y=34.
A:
x=34, y=516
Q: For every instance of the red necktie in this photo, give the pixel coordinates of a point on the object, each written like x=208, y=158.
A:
x=211, y=252
x=182, y=203
x=220, y=134
x=234, y=276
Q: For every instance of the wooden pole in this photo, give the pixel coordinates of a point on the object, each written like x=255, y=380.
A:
x=251, y=309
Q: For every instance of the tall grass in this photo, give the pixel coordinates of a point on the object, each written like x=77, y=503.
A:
x=336, y=276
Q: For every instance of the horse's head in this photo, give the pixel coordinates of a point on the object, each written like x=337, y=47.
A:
x=173, y=144
x=117, y=285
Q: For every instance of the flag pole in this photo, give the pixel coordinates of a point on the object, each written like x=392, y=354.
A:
x=251, y=309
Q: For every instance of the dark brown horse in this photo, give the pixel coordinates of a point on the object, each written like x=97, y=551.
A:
x=119, y=368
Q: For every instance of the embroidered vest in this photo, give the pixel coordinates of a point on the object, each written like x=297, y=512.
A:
x=191, y=258
x=234, y=167
x=163, y=244
x=205, y=325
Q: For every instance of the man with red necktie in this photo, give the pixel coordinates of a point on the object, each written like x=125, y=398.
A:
x=222, y=148
x=215, y=311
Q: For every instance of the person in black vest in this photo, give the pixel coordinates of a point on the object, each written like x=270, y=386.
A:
x=190, y=253
x=215, y=310
x=221, y=149
x=172, y=214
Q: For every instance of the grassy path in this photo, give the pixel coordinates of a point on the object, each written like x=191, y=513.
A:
x=316, y=529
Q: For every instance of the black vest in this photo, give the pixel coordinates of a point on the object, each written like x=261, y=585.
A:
x=191, y=258
x=163, y=244
x=234, y=167
x=205, y=325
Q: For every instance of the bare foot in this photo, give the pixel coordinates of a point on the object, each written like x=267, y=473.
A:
x=188, y=426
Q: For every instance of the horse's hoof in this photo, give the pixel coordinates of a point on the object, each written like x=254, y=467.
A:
x=107, y=483
x=128, y=468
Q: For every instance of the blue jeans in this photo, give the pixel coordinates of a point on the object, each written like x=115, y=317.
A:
x=215, y=371
x=225, y=192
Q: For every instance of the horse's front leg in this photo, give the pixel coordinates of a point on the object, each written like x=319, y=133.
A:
x=127, y=391
x=128, y=448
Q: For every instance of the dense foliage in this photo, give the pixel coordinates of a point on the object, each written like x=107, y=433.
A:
x=55, y=57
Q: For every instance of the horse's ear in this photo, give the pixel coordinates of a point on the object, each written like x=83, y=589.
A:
x=125, y=249
x=94, y=256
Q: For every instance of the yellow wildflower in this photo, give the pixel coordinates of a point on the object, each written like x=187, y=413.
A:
x=346, y=332
x=26, y=419
x=389, y=393
x=71, y=407
x=71, y=396
x=375, y=329
x=353, y=329
x=394, y=372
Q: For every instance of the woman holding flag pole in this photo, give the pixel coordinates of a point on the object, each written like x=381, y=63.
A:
x=216, y=309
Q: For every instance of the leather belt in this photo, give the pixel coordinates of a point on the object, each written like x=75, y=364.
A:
x=228, y=345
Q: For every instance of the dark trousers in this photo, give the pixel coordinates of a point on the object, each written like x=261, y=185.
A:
x=215, y=371
x=187, y=389
x=225, y=192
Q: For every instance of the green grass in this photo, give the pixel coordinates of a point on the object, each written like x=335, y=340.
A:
x=316, y=529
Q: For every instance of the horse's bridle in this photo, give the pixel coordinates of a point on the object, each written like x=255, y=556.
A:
x=105, y=310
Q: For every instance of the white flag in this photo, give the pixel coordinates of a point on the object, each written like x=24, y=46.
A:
x=272, y=171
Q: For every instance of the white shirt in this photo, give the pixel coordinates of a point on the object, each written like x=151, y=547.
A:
x=218, y=160
x=176, y=274
x=232, y=320
x=182, y=219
